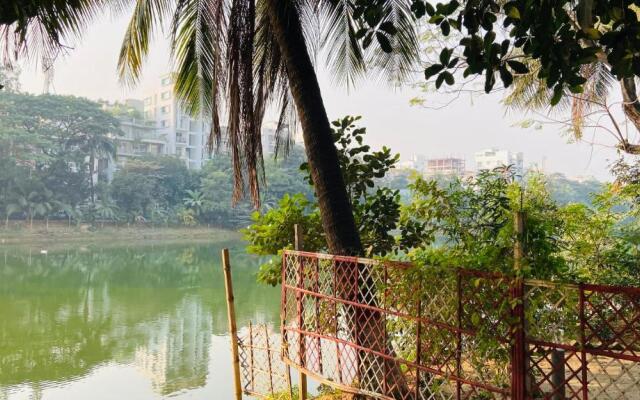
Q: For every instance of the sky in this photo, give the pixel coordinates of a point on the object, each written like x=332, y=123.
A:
x=459, y=129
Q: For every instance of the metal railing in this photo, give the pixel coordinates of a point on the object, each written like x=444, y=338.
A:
x=391, y=331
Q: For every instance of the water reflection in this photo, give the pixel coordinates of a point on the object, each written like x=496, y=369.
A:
x=69, y=313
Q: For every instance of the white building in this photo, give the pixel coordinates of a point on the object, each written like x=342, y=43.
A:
x=449, y=166
x=139, y=136
x=186, y=137
x=160, y=125
x=490, y=159
x=417, y=162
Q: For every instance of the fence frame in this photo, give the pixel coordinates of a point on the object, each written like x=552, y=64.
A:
x=518, y=340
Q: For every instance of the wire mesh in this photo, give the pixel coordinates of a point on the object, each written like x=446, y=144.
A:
x=391, y=331
x=263, y=373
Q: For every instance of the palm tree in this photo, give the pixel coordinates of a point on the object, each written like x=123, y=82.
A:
x=258, y=55
x=39, y=203
x=15, y=206
x=159, y=213
x=98, y=146
x=70, y=211
x=106, y=209
x=195, y=200
x=31, y=198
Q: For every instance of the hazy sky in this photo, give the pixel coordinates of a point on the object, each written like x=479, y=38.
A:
x=460, y=129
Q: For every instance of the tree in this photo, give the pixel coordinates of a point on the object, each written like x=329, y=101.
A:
x=134, y=187
x=91, y=134
x=195, y=201
x=567, y=53
x=106, y=210
x=59, y=138
x=9, y=79
x=376, y=208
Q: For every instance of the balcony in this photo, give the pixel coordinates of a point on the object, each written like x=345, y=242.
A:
x=137, y=122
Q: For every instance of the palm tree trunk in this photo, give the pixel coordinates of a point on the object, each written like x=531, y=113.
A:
x=335, y=208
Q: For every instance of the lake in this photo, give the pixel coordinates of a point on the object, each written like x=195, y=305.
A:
x=139, y=322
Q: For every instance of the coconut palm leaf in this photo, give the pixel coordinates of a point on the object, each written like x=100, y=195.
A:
x=147, y=17
x=41, y=28
x=528, y=92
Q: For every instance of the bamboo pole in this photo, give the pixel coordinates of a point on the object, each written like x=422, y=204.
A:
x=251, y=366
x=270, y=369
x=302, y=378
x=233, y=329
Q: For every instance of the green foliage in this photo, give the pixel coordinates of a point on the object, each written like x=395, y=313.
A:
x=376, y=209
x=470, y=223
x=48, y=143
x=602, y=242
x=54, y=143
x=271, y=232
x=562, y=36
x=283, y=176
x=566, y=191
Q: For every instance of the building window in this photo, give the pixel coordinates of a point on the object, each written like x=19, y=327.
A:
x=165, y=109
x=166, y=95
x=165, y=81
x=147, y=101
x=164, y=123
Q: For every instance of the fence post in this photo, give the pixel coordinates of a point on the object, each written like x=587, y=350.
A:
x=302, y=378
x=558, y=376
x=518, y=350
x=233, y=329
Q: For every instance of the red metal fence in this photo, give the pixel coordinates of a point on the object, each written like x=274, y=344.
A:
x=392, y=331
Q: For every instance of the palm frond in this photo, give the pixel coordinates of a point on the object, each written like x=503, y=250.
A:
x=398, y=64
x=198, y=45
x=345, y=55
x=529, y=93
x=272, y=86
x=42, y=29
x=244, y=135
x=148, y=15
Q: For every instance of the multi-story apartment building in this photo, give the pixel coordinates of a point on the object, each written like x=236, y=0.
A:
x=139, y=136
x=160, y=125
x=449, y=166
x=186, y=136
x=493, y=158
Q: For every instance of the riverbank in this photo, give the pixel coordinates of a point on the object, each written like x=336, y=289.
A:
x=58, y=233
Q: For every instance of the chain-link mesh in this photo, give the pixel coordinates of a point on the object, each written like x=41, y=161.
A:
x=393, y=331
x=263, y=373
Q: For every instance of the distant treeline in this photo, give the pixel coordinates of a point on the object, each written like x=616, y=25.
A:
x=50, y=147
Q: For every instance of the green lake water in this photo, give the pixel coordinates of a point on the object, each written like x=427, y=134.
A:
x=140, y=322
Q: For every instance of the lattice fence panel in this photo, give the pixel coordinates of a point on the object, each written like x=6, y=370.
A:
x=395, y=331
x=263, y=373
